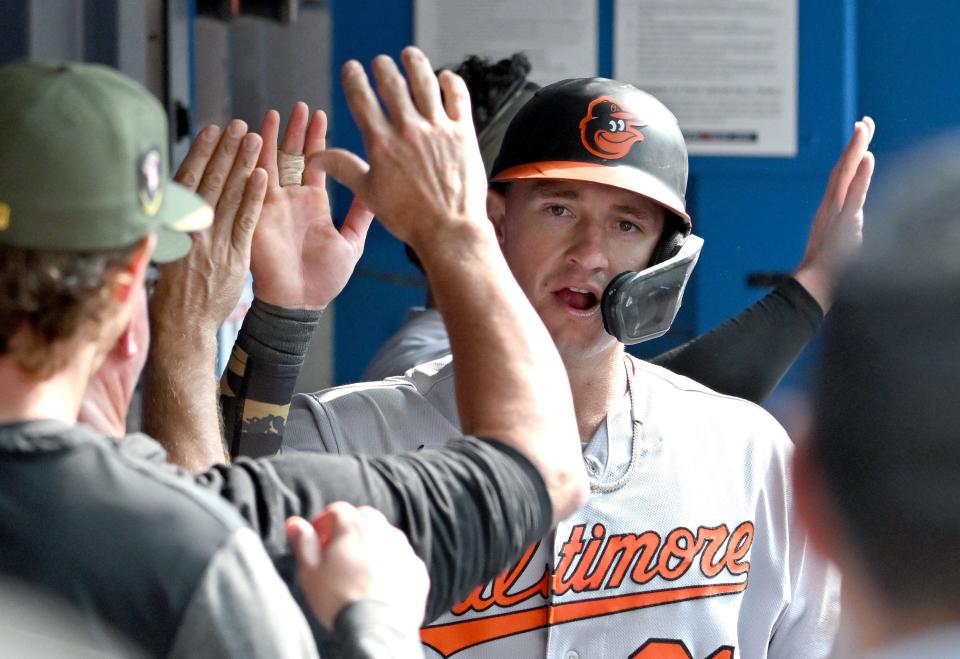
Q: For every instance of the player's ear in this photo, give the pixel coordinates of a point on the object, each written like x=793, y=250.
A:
x=496, y=210
x=129, y=277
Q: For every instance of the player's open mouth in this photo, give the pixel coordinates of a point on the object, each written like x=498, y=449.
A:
x=579, y=301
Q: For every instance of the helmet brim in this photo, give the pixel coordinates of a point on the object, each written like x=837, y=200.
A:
x=625, y=178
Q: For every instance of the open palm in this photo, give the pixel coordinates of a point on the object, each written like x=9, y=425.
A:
x=300, y=258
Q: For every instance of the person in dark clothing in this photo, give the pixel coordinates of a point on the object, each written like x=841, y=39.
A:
x=877, y=479
x=181, y=563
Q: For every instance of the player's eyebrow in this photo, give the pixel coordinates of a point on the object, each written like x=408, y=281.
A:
x=638, y=212
x=554, y=190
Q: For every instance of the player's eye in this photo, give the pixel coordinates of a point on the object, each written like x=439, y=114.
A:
x=626, y=226
x=557, y=210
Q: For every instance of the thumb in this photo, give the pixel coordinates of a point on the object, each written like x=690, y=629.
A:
x=357, y=223
x=344, y=166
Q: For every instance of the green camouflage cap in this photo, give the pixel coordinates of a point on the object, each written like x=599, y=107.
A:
x=84, y=163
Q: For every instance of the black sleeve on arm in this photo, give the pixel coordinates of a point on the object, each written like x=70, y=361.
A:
x=748, y=355
x=258, y=382
x=468, y=508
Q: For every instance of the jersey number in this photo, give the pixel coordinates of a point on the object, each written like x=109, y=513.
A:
x=659, y=648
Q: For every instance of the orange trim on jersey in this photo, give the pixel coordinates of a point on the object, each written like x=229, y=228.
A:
x=453, y=637
x=618, y=176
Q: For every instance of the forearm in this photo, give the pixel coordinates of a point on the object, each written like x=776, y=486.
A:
x=748, y=355
x=261, y=375
x=180, y=395
x=510, y=381
x=468, y=509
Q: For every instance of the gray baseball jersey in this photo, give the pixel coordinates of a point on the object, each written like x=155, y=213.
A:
x=687, y=547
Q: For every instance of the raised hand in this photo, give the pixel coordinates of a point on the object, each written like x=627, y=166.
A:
x=425, y=173
x=198, y=292
x=195, y=294
x=350, y=554
x=837, y=230
x=300, y=259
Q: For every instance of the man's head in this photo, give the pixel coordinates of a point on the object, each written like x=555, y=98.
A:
x=880, y=478
x=84, y=188
x=589, y=183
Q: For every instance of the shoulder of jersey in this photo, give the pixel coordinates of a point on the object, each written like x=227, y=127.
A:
x=706, y=398
x=422, y=379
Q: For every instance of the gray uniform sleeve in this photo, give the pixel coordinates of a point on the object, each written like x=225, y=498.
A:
x=365, y=629
x=241, y=608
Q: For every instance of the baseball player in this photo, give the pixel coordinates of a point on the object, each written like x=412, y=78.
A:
x=194, y=577
x=688, y=545
x=746, y=356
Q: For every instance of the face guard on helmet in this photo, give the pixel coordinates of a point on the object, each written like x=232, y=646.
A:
x=608, y=132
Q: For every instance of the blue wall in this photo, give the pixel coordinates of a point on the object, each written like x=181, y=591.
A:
x=892, y=60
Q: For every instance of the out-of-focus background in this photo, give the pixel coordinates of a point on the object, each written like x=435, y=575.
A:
x=766, y=90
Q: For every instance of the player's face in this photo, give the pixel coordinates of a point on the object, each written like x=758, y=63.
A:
x=564, y=242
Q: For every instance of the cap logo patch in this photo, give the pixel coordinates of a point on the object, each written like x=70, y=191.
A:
x=148, y=181
x=4, y=216
x=608, y=130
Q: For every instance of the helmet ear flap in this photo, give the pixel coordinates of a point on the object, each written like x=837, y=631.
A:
x=675, y=232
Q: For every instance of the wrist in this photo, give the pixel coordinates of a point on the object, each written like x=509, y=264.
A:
x=287, y=299
x=457, y=241
x=817, y=283
x=279, y=334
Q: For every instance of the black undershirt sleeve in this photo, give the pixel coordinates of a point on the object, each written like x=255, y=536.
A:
x=469, y=508
x=748, y=355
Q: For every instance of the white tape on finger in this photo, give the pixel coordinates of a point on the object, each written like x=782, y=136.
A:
x=290, y=168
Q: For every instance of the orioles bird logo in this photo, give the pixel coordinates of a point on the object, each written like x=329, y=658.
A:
x=608, y=131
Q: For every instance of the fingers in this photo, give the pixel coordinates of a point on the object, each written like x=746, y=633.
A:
x=295, y=135
x=248, y=214
x=316, y=139
x=246, y=160
x=356, y=224
x=871, y=127
x=456, y=97
x=304, y=541
x=269, y=130
x=315, y=142
x=363, y=103
x=860, y=185
x=423, y=83
x=847, y=165
x=336, y=520
x=393, y=90
x=219, y=166
x=191, y=169
x=345, y=167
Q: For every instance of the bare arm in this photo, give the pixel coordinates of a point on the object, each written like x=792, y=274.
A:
x=426, y=183
x=195, y=294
